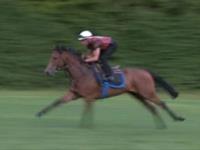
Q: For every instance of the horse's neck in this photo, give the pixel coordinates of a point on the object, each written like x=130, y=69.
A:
x=77, y=70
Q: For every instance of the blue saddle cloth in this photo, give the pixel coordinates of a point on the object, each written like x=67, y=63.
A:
x=106, y=85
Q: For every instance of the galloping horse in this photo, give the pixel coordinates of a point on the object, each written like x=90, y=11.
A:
x=139, y=83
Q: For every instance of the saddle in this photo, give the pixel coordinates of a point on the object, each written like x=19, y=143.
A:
x=118, y=75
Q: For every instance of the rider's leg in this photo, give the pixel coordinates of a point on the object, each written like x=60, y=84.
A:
x=106, y=67
x=105, y=55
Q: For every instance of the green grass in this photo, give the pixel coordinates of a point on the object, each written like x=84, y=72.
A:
x=120, y=124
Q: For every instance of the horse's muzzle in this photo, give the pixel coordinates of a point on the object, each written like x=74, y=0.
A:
x=49, y=72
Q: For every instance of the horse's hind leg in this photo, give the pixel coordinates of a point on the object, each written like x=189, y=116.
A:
x=155, y=99
x=170, y=112
x=159, y=121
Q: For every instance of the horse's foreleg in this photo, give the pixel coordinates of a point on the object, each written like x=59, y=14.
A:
x=66, y=98
x=87, y=116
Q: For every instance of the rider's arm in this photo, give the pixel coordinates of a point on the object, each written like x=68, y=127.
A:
x=94, y=56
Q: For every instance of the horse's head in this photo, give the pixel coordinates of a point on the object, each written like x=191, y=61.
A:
x=59, y=59
x=56, y=61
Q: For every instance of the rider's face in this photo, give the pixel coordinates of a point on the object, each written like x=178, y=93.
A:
x=84, y=42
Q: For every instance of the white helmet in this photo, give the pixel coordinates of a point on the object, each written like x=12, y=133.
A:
x=85, y=34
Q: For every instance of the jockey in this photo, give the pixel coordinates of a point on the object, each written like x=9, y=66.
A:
x=101, y=48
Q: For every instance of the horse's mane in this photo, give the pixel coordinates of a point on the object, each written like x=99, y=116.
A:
x=63, y=48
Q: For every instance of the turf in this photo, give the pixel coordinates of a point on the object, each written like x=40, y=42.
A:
x=120, y=124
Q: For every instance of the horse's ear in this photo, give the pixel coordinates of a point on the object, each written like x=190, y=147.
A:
x=70, y=49
x=63, y=47
x=60, y=48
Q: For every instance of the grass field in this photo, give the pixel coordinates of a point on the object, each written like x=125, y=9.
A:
x=120, y=124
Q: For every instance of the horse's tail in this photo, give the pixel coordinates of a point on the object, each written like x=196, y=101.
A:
x=164, y=84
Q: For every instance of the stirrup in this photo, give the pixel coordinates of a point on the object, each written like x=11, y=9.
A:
x=111, y=79
x=116, y=67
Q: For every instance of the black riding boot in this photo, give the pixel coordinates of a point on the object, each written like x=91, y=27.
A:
x=105, y=55
x=107, y=70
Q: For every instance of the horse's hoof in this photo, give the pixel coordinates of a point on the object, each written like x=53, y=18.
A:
x=39, y=114
x=180, y=119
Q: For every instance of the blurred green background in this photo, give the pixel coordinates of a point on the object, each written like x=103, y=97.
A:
x=162, y=35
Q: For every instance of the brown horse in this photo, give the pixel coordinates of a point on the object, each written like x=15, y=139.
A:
x=140, y=83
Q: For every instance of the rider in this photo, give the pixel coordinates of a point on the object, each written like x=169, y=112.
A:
x=101, y=49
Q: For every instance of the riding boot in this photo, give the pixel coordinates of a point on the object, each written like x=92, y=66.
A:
x=108, y=72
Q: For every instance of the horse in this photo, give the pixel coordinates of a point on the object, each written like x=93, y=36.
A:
x=139, y=83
